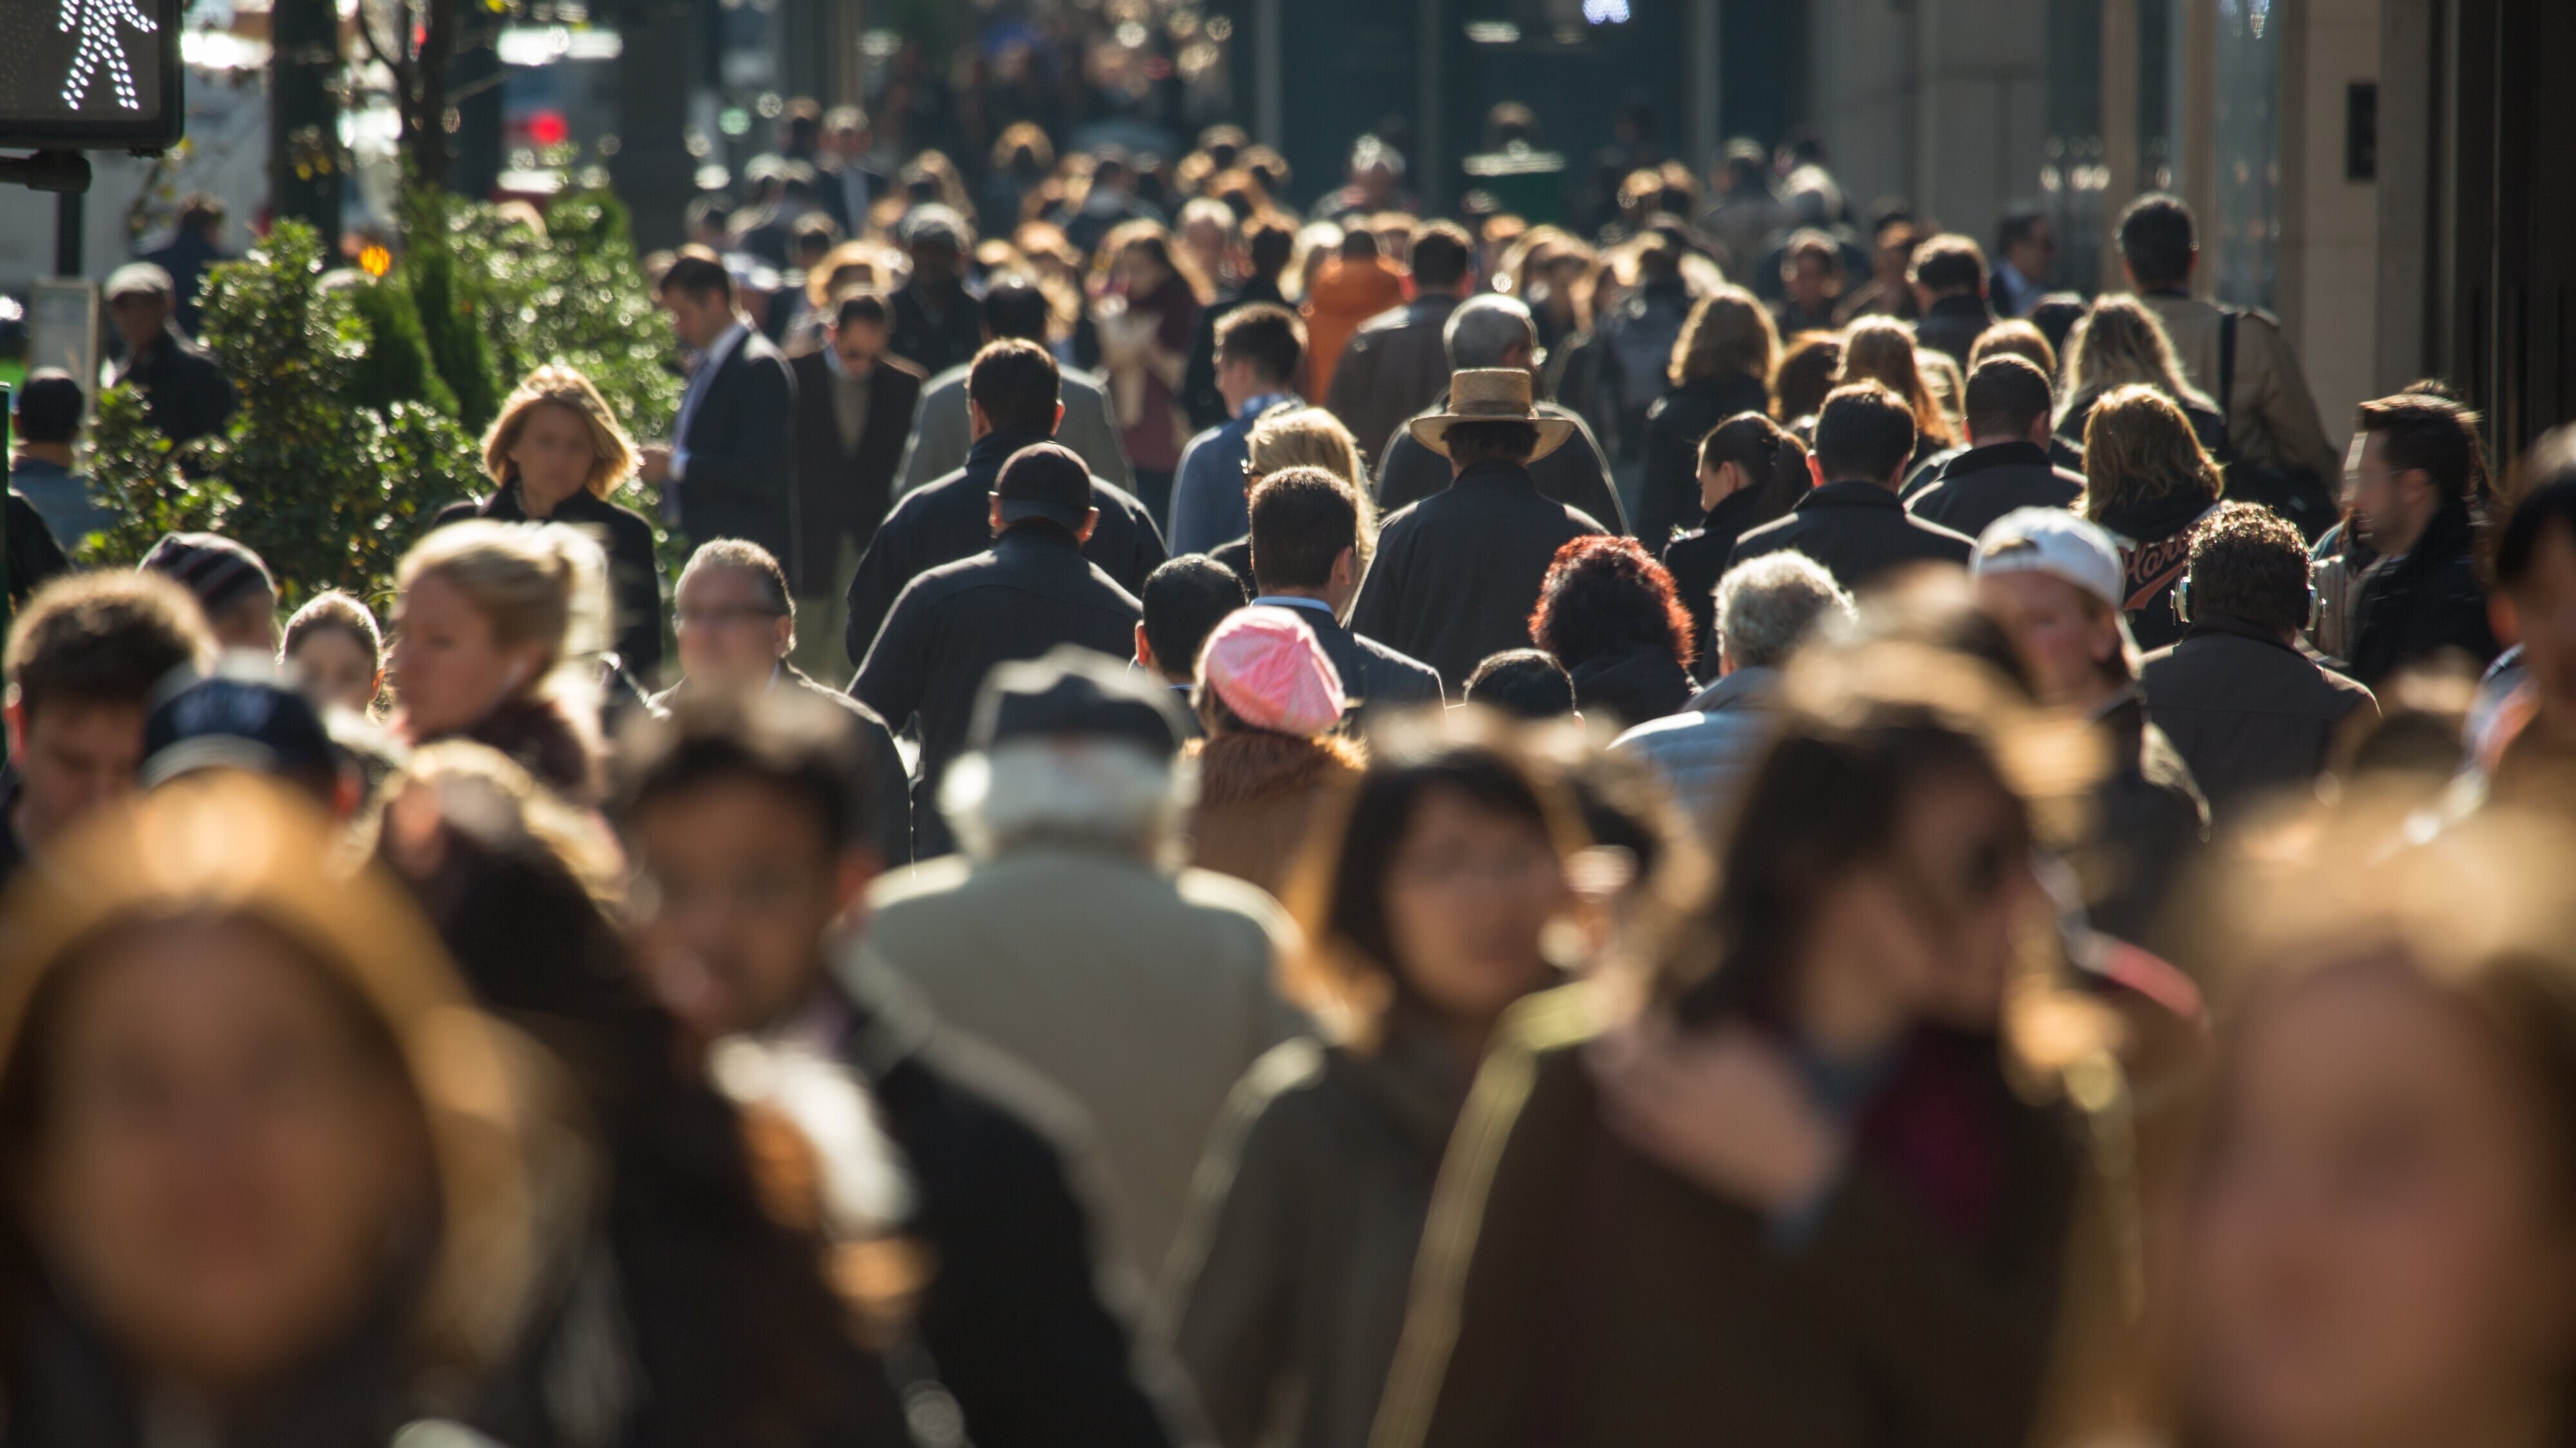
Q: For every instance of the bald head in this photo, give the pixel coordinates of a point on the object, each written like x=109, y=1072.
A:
x=1490, y=331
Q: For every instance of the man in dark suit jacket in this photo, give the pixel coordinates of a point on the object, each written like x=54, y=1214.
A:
x=1395, y=364
x=854, y=406
x=1457, y=574
x=2006, y=465
x=1029, y=592
x=1011, y=404
x=730, y=468
x=1854, y=524
x=1306, y=555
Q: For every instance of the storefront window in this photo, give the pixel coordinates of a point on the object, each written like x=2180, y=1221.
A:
x=2242, y=242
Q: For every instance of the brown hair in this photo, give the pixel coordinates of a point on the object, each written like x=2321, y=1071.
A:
x=1302, y=519
x=1602, y=594
x=1728, y=332
x=103, y=638
x=612, y=456
x=1306, y=437
x=1806, y=373
x=230, y=846
x=2138, y=445
x=1770, y=455
x=1881, y=350
x=2014, y=337
x=332, y=611
x=1347, y=976
x=2119, y=343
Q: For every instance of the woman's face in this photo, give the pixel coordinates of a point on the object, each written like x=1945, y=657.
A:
x=337, y=669
x=223, y=1167
x=1941, y=914
x=1140, y=270
x=553, y=455
x=447, y=667
x=2375, y=1254
x=1471, y=890
x=1718, y=482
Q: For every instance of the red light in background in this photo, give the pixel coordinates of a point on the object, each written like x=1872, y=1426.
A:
x=547, y=128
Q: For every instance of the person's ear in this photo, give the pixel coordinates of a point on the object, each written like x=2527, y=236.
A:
x=1346, y=568
x=1144, y=649
x=994, y=516
x=1090, y=520
x=1058, y=421
x=782, y=635
x=2501, y=617
x=2040, y=432
x=15, y=714
x=852, y=874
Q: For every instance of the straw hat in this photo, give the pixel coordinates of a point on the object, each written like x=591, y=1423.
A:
x=1492, y=394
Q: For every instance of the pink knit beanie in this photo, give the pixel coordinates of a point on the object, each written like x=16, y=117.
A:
x=1265, y=664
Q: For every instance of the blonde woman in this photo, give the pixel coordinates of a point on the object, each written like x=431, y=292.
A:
x=2121, y=344
x=556, y=455
x=1881, y=350
x=1304, y=437
x=1722, y=365
x=2147, y=480
x=496, y=638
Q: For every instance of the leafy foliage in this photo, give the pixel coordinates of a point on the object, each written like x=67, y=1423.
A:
x=396, y=365
x=361, y=401
x=138, y=478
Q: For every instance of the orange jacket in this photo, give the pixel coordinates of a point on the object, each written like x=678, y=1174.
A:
x=1346, y=293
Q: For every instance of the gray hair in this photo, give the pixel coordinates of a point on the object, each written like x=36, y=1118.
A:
x=1087, y=793
x=1482, y=329
x=1768, y=606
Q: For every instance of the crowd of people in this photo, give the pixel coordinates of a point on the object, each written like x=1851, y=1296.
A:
x=1342, y=829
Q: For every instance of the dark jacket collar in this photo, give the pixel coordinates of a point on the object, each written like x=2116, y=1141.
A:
x=1492, y=473
x=2230, y=626
x=1851, y=493
x=995, y=448
x=1997, y=455
x=1034, y=540
x=505, y=505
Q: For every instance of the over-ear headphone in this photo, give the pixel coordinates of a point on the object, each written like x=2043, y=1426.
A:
x=2182, y=603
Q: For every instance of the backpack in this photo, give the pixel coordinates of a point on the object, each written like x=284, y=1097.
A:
x=2296, y=494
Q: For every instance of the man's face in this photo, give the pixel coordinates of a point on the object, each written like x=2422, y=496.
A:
x=697, y=320
x=858, y=345
x=934, y=261
x=1895, y=250
x=141, y=318
x=2386, y=503
x=73, y=757
x=2036, y=252
x=736, y=894
x=2544, y=611
x=1806, y=280
x=730, y=636
x=2062, y=638
x=847, y=142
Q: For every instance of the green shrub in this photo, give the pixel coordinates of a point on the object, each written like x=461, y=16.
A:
x=137, y=477
x=395, y=366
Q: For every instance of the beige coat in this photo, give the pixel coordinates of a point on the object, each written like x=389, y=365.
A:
x=2271, y=416
x=1143, y=995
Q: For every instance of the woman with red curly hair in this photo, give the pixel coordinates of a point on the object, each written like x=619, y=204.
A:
x=1608, y=612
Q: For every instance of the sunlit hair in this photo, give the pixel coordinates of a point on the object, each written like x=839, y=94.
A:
x=2138, y=446
x=1728, y=333
x=229, y=847
x=332, y=611
x=1603, y=595
x=612, y=455
x=1154, y=240
x=533, y=583
x=1306, y=437
x=1347, y=975
x=2017, y=338
x=488, y=796
x=2120, y=343
x=1806, y=374
x=1881, y=350
x=1101, y=794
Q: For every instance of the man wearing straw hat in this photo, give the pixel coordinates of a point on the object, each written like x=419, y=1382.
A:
x=1457, y=573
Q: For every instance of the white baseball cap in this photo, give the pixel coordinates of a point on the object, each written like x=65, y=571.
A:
x=2055, y=542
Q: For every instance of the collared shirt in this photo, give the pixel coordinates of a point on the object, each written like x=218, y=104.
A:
x=850, y=396
x=1290, y=600
x=699, y=382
